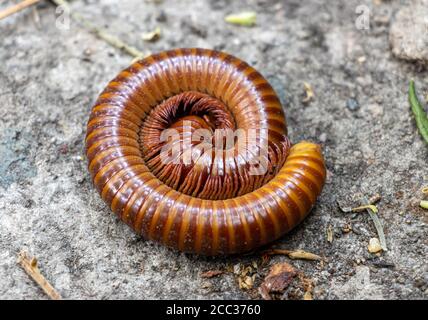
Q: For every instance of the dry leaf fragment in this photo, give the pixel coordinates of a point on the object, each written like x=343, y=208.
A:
x=279, y=278
x=309, y=93
x=237, y=269
x=211, y=273
x=246, y=282
x=30, y=267
x=152, y=35
x=307, y=296
x=308, y=286
x=246, y=276
x=246, y=19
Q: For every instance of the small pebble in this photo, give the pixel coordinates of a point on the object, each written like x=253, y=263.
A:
x=347, y=228
x=352, y=104
x=87, y=52
x=419, y=282
x=374, y=245
x=361, y=59
x=408, y=34
x=161, y=17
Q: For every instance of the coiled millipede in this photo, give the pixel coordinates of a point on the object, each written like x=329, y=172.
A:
x=214, y=204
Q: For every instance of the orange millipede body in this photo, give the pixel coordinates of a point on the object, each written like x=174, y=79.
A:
x=215, y=203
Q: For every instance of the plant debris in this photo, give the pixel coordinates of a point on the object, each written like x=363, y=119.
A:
x=211, y=273
x=372, y=210
x=424, y=203
x=246, y=282
x=100, y=33
x=309, y=93
x=419, y=113
x=17, y=7
x=375, y=199
x=246, y=275
x=152, y=35
x=330, y=233
x=308, y=286
x=347, y=228
x=31, y=268
x=366, y=207
x=374, y=245
x=296, y=254
x=279, y=278
x=247, y=18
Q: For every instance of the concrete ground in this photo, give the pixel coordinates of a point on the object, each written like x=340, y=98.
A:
x=49, y=78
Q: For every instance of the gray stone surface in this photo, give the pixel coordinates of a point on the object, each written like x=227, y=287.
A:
x=49, y=78
x=409, y=32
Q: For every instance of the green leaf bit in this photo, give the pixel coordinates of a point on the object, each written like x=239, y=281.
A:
x=247, y=18
x=420, y=115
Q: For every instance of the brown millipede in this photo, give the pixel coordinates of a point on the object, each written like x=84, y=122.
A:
x=214, y=205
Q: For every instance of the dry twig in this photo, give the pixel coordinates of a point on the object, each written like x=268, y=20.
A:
x=16, y=8
x=330, y=233
x=365, y=207
x=294, y=254
x=152, y=35
x=211, y=273
x=101, y=33
x=30, y=267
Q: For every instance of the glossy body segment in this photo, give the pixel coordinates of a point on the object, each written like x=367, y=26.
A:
x=216, y=209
